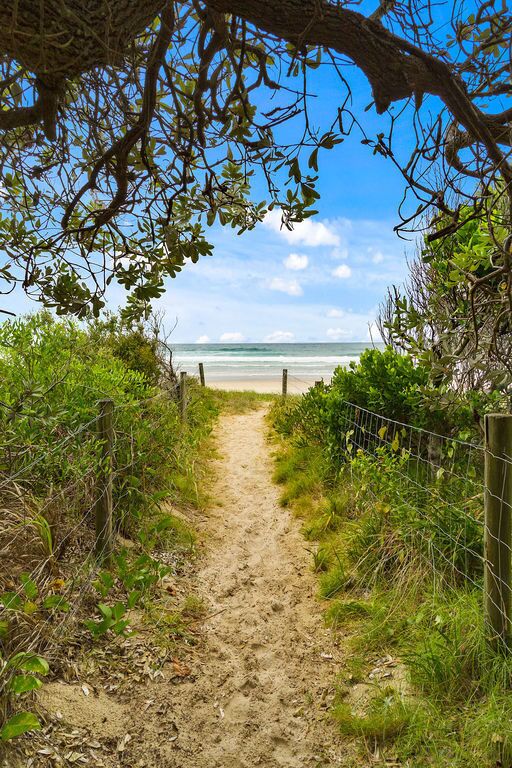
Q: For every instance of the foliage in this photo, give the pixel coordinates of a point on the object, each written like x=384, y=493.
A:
x=394, y=517
x=136, y=345
x=127, y=583
x=53, y=374
x=121, y=147
x=18, y=724
x=396, y=388
x=440, y=318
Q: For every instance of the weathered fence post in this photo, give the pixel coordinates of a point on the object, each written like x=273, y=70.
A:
x=285, y=382
x=103, y=504
x=183, y=396
x=498, y=527
x=201, y=375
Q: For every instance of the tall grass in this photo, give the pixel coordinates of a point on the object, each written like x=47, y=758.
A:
x=52, y=374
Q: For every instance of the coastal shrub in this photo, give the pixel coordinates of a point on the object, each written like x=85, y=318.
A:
x=393, y=386
x=137, y=348
x=53, y=372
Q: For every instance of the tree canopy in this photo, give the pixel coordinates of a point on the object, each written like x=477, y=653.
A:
x=128, y=127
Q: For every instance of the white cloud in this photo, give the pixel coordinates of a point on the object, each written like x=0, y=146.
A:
x=335, y=313
x=255, y=320
x=310, y=233
x=343, y=271
x=378, y=257
x=296, y=261
x=291, y=287
x=337, y=334
x=279, y=337
x=204, y=339
x=227, y=337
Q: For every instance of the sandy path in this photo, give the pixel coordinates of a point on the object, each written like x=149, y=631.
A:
x=262, y=687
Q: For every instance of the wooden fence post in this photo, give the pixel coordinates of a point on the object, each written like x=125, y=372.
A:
x=201, y=375
x=103, y=504
x=498, y=527
x=285, y=382
x=183, y=396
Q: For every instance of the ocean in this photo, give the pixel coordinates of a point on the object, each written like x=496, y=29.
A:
x=225, y=362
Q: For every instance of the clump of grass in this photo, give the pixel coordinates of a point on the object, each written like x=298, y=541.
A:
x=488, y=730
x=449, y=654
x=333, y=581
x=342, y=611
x=387, y=622
x=322, y=559
x=171, y=531
x=193, y=607
x=387, y=716
x=299, y=471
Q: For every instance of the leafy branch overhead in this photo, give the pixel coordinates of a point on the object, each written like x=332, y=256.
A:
x=127, y=127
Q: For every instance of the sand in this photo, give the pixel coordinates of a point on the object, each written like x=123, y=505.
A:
x=263, y=676
x=262, y=692
x=296, y=386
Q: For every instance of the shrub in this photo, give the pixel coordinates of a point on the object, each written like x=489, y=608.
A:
x=52, y=375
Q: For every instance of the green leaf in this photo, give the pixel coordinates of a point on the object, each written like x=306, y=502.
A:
x=313, y=160
x=19, y=724
x=134, y=597
x=30, y=662
x=56, y=603
x=30, y=607
x=105, y=610
x=24, y=683
x=11, y=601
x=118, y=611
x=29, y=586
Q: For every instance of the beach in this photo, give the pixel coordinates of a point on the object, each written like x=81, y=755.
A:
x=258, y=367
x=270, y=385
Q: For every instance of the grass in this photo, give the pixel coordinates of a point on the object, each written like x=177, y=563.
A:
x=381, y=591
x=388, y=715
x=233, y=403
x=173, y=532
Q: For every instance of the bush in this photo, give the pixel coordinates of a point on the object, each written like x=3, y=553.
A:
x=52, y=375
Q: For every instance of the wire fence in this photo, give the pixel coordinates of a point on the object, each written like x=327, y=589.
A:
x=51, y=548
x=455, y=496
x=452, y=500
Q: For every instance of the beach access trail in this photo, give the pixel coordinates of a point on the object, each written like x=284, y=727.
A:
x=264, y=682
x=256, y=685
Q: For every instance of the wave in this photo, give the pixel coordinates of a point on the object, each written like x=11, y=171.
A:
x=328, y=360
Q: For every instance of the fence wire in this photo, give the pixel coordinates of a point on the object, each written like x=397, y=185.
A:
x=435, y=486
x=63, y=563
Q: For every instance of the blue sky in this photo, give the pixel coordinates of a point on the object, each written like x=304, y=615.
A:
x=321, y=282
x=324, y=280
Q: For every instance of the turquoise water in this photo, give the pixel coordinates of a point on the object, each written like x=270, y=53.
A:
x=266, y=361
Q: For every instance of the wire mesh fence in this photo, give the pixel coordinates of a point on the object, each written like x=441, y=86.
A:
x=56, y=526
x=453, y=500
